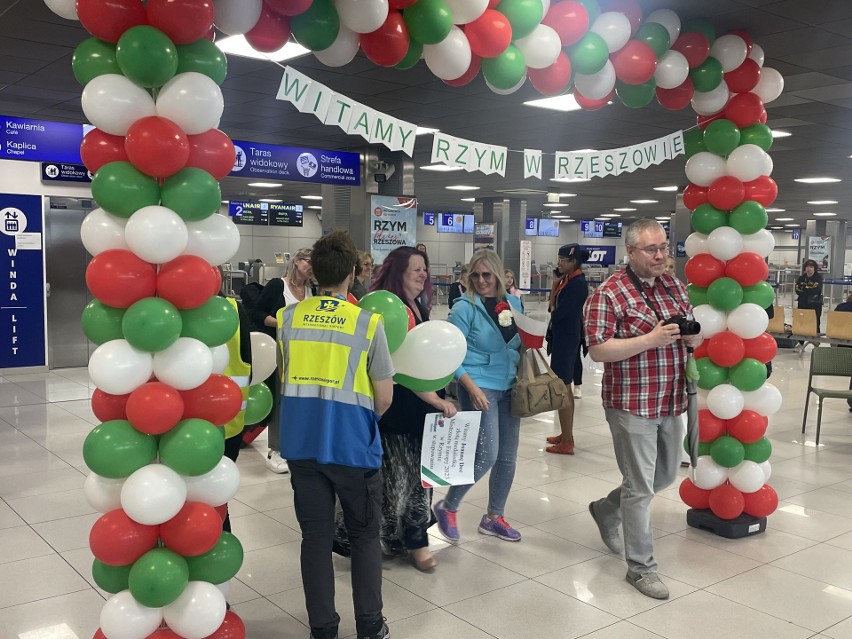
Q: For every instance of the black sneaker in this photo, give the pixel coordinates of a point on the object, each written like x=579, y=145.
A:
x=384, y=633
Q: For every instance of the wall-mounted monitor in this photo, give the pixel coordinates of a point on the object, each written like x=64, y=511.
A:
x=612, y=229
x=548, y=228
x=592, y=229
x=455, y=223
x=531, y=227
x=429, y=219
x=254, y=213
x=286, y=214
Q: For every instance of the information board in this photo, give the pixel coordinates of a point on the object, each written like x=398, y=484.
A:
x=286, y=214
x=253, y=213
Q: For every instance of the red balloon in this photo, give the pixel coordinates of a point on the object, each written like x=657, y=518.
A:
x=489, y=35
x=569, y=19
x=492, y=4
x=763, y=348
x=710, y=427
x=387, y=45
x=744, y=109
x=351, y=299
x=701, y=351
x=185, y=281
x=677, y=98
x=747, y=427
x=694, y=46
x=108, y=19
x=726, y=502
x=704, y=120
x=744, y=78
x=554, y=79
x=271, y=31
x=762, y=502
x=118, y=278
x=763, y=117
x=117, y=540
x=693, y=496
x=629, y=8
x=587, y=104
x=726, y=193
x=694, y=196
x=215, y=281
x=763, y=190
x=164, y=633
x=154, y=408
x=218, y=400
x=222, y=511
x=212, y=151
x=184, y=22
x=108, y=407
x=702, y=269
x=634, y=63
x=99, y=148
x=232, y=628
x=193, y=531
x=468, y=76
x=725, y=349
x=745, y=35
x=411, y=321
x=747, y=269
x=156, y=146
x=99, y=634
x=294, y=7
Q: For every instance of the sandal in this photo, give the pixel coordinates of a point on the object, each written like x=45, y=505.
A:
x=425, y=563
x=557, y=439
x=562, y=449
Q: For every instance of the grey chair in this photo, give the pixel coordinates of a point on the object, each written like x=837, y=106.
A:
x=828, y=362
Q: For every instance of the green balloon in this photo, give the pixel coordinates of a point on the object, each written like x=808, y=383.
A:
x=92, y=58
x=422, y=385
x=193, y=447
x=220, y=563
x=192, y=193
x=703, y=447
x=707, y=75
x=749, y=217
x=110, y=578
x=523, y=15
x=589, y=55
x=412, y=57
x=636, y=96
x=706, y=218
x=317, y=28
x=655, y=36
x=428, y=21
x=394, y=315
x=158, y=577
x=760, y=294
x=121, y=189
x=505, y=70
x=701, y=26
x=727, y=451
x=152, y=324
x=697, y=295
x=693, y=142
x=758, y=134
x=725, y=294
x=748, y=375
x=102, y=323
x=204, y=57
x=758, y=451
x=147, y=56
x=116, y=450
x=721, y=137
x=259, y=403
x=709, y=374
x=213, y=323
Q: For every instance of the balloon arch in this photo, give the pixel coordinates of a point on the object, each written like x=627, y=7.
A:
x=151, y=77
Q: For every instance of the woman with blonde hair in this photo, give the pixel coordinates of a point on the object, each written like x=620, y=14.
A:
x=363, y=274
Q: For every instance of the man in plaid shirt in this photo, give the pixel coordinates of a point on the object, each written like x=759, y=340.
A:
x=644, y=390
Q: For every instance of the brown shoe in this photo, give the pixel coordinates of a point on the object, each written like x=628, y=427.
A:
x=562, y=449
x=557, y=439
x=422, y=559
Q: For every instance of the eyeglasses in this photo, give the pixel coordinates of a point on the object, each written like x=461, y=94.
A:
x=484, y=275
x=651, y=251
x=306, y=259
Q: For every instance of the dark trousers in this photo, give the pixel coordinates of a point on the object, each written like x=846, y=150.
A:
x=232, y=451
x=578, y=369
x=360, y=493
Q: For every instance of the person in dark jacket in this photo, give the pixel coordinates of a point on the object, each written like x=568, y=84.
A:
x=458, y=287
x=809, y=289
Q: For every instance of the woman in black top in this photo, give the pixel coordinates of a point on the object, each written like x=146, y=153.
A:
x=809, y=289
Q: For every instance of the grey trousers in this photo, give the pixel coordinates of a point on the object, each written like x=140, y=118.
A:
x=648, y=455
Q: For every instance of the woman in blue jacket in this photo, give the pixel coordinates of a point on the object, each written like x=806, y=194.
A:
x=483, y=314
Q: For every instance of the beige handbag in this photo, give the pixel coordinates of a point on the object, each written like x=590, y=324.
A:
x=536, y=392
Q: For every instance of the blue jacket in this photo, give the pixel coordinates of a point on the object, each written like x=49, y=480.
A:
x=490, y=361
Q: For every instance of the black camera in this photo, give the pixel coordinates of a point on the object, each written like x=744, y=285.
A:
x=686, y=326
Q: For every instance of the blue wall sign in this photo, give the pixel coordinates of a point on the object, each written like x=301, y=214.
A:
x=61, y=172
x=39, y=140
x=22, y=319
x=601, y=255
x=256, y=160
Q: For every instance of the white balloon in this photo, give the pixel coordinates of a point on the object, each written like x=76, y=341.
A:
x=708, y=474
x=156, y=234
x=342, y=50
x=725, y=243
x=198, y=612
x=221, y=356
x=184, y=365
x=712, y=321
x=614, y=28
x=112, y=103
x=597, y=85
x=193, y=101
x=762, y=243
x=508, y=91
x=102, y=231
x=756, y=54
x=765, y=401
x=122, y=617
x=768, y=164
x=748, y=321
x=264, y=357
x=710, y=102
x=216, y=487
x=63, y=8
x=465, y=11
x=696, y=244
x=704, y=168
x=362, y=16
x=117, y=368
x=431, y=350
x=766, y=468
x=450, y=58
x=102, y=493
x=215, y=239
x=725, y=401
x=746, y=162
x=541, y=47
x=153, y=494
x=770, y=85
x=236, y=17
x=672, y=70
x=669, y=19
x=747, y=476
x=730, y=50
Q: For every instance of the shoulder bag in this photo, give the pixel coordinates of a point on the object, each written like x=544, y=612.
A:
x=536, y=392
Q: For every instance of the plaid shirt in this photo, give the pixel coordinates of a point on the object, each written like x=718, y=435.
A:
x=653, y=383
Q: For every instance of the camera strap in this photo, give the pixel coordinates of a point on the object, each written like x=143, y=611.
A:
x=641, y=288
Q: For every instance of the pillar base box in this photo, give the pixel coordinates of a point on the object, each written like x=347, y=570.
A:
x=742, y=526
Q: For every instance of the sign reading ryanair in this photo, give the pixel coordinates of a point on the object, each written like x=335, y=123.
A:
x=393, y=223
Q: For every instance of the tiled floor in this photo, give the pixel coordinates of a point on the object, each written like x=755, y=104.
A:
x=794, y=581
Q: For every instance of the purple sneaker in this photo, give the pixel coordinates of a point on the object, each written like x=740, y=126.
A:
x=498, y=528
x=446, y=521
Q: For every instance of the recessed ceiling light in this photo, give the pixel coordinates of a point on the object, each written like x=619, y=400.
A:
x=237, y=45
x=584, y=151
x=775, y=210
x=468, y=199
x=793, y=225
x=266, y=185
x=440, y=167
x=316, y=208
x=564, y=218
x=570, y=180
x=776, y=133
x=817, y=180
x=776, y=227
x=312, y=197
x=561, y=194
x=601, y=219
x=665, y=188
x=267, y=199
x=557, y=103
x=784, y=219
x=624, y=209
x=611, y=215
x=556, y=205
x=825, y=214
x=663, y=218
x=225, y=202
x=425, y=130
x=461, y=187
x=820, y=202
x=644, y=201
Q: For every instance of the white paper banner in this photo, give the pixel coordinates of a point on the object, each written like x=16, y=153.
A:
x=585, y=165
x=532, y=163
x=449, y=449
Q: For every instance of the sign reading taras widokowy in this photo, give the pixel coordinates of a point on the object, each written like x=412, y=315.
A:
x=393, y=223
x=449, y=449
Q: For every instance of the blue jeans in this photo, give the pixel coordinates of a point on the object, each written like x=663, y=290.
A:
x=497, y=446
